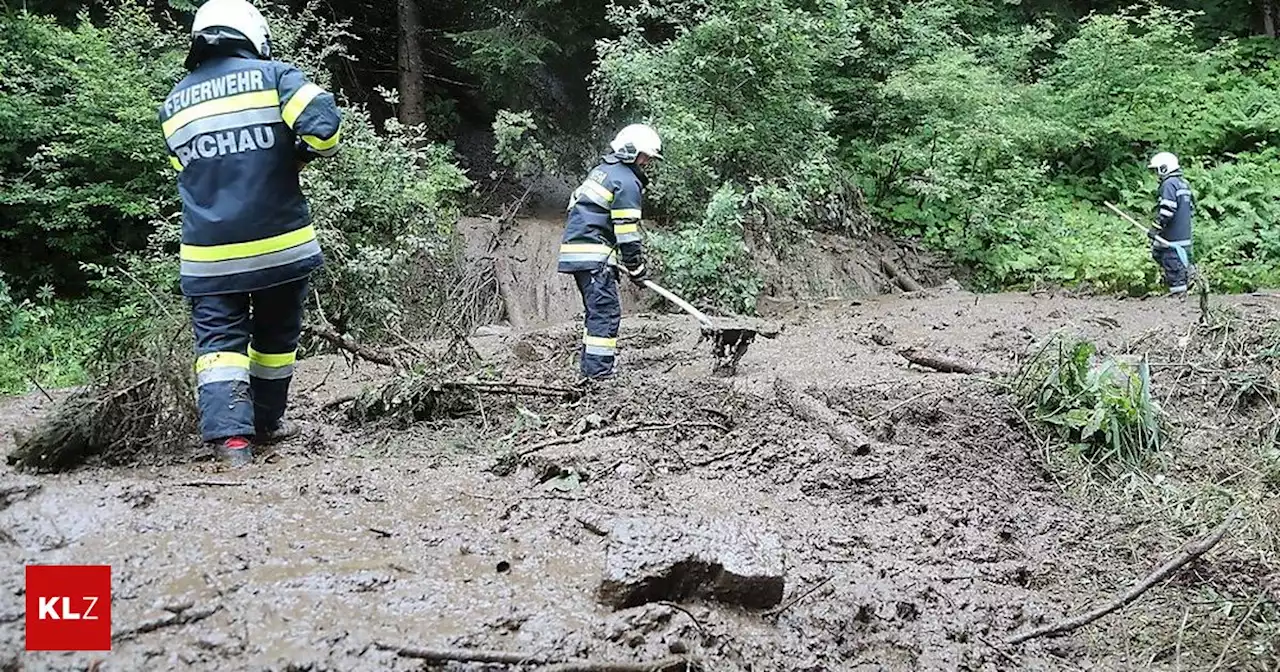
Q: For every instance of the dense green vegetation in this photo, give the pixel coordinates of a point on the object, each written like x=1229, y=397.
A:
x=992, y=130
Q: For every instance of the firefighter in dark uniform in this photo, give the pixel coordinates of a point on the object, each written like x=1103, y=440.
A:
x=601, y=232
x=239, y=128
x=1173, y=224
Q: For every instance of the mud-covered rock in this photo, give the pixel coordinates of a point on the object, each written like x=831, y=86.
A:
x=651, y=560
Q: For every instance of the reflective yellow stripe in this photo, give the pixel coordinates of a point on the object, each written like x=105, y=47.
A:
x=585, y=248
x=621, y=229
x=272, y=361
x=322, y=145
x=219, y=359
x=251, y=248
x=177, y=165
x=299, y=102
x=630, y=213
x=237, y=103
x=602, y=342
x=599, y=189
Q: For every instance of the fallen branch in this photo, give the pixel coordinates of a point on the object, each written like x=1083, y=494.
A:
x=345, y=342
x=511, y=387
x=617, y=431
x=906, y=282
x=211, y=484
x=181, y=618
x=941, y=364
x=549, y=664
x=1186, y=555
x=790, y=603
x=845, y=434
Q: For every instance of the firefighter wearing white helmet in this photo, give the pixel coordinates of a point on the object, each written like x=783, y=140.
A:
x=1173, y=224
x=239, y=127
x=602, y=229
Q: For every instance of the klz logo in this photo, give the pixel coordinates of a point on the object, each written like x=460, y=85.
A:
x=68, y=608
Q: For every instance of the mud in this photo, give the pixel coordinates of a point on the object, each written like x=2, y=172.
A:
x=920, y=550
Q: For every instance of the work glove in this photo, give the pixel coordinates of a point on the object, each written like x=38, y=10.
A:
x=638, y=274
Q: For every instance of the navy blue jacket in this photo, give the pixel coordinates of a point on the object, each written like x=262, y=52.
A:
x=1173, y=213
x=238, y=129
x=603, y=222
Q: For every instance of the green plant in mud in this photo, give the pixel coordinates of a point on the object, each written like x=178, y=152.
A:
x=1102, y=407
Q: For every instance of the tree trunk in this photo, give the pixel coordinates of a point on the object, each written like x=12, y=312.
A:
x=413, y=94
x=1269, y=18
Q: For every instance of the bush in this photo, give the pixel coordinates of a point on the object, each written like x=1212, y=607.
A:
x=708, y=262
x=1102, y=409
x=82, y=167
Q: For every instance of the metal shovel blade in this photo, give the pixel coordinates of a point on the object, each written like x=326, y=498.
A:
x=730, y=337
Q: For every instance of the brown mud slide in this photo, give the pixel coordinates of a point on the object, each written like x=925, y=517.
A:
x=836, y=505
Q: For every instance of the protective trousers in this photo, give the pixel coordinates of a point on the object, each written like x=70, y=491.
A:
x=246, y=346
x=599, y=290
x=1176, y=264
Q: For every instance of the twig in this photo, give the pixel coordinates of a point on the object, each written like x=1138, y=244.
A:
x=664, y=665
x=323, y=380
x=895, y=407
x=686, y=612
x=721, y=456
x=163, y=308
x=936, y=363
x=1231, y=640
x=38, y=387
x=1186, y=555
x=549, y=664
x=181, y=618
x=211, y=484
x=788, y=604
x=1003, y=654
x=615, y=431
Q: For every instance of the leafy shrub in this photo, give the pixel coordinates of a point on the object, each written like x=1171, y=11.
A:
x=707, y=262
x=82, y=171
x=1102, y=409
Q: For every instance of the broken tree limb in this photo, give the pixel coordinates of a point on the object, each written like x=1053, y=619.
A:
x=548, y=664
x=940, y=364
x=1188, y=553
x=842, y=432
x=906, y=282
x=345, y=342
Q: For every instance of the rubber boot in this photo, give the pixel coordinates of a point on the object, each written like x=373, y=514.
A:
x=236, y=451
x=282, y=432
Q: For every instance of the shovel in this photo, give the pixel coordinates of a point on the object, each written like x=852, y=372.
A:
x=730, y=337
x=1182, y=255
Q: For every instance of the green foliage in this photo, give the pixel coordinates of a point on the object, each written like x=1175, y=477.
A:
x=80, y=173
x=707, y=262
x=733, y=95
x=518, y=146
x=1102, y=409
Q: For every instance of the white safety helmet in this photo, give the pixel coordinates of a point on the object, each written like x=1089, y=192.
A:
x=1163, y=163
x=637, y=139
x=238, y=15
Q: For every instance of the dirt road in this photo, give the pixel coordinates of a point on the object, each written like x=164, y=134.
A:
x=927, y=546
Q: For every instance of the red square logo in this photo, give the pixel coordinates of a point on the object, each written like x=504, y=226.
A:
x=68, y=608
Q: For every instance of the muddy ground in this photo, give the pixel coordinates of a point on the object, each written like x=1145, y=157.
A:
x=926, y=549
